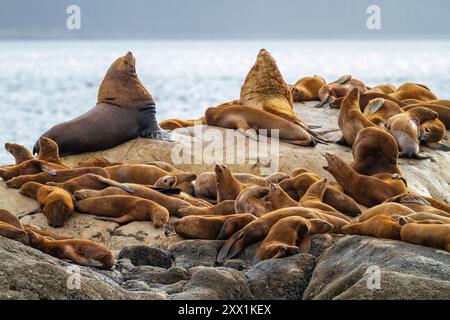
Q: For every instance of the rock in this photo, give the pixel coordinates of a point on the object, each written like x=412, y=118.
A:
x=192, y=253
x=11, y=200
x=155, y=275
x=141, y=255
x=237, y=264
x=319, y=242
x=407, y=271
x=27, y=273
x=277, y=279
x=228, y=284
x=143, y=231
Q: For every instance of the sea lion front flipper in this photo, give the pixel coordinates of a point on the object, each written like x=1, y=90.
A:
x=343, y=79
x=48, y=171
x=248, y=132
x=305, y=244
x=438, y=146
x=423, y=156
x=375, y=105
x=231, y=248
x=324, y=102
x=341, y=141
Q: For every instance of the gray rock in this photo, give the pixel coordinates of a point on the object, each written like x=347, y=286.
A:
x=192, y=253
x=406, y=271
x=285, y=278
x=320, y=242
x=142, y=255
x=156, y=275
x=237, y=264
x=228, y=284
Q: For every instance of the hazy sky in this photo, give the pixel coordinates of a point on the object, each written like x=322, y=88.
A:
x=224, y=19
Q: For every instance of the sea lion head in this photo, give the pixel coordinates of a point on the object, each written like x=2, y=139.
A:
x=98, y=256
x=166, y=182
x=277, y=251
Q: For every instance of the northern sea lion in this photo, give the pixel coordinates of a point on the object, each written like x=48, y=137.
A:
x=375, y=151
x=339, y=89
x=9, y=218
x=211, y=227
x=228, y=187
x=307, y=89
x=56, y=203
x=14, y=233
x=290, y=236
x=430, y=235
x=257, y=230
x=172, y=124
x=422, y=217
x=433, y=131
x=125, y=110
x=145, y=174
x=367, y=190
x=387, y=209
x=163, y=165
x=379, y=110
x=252, y=200
x=88, y=181
x=44, y=232
x=19, y=152
x=413, y=91
x=421, y=204
x=442, y=111
x=365, y=98
x=405, y=127
x=225, y=207
x=30, y=167
x=83, y=252
x=49, y=151
x=379, y=226
x=96, y=162
x=351, y=120
x=250, y=121
x=124, y=209
x=59, y=176
x=386, y=88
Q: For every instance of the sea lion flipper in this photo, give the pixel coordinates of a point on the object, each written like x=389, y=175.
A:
x=375, y=105
x=231, y=248
x=248, y=132
x=116, y=184
x=343, y=79
x=438, y=146
x=325, y=101
x=157, y=135
x=305, y=244
x=48, y=171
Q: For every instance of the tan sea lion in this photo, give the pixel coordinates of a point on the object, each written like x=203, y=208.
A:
x=125, y=110
x=9, y=218
x=49, y=151
x=56, y=203
x=29, y=167
x=145, y=174
x=307, y=89
x=386, y=88
x=44, y=232
x=257, y=230
x=379, y=110
x=290, y=236
x=433, y=131
x=339, y=89
x=57, y=176
x=228, y=187
x=430, y=235
x=172, y=124
x=252, y=200
x=14, y=233
x=421, y=217
x=83, y=252
x=387, y=209
x=375, y=151
x=365, y=98
x=351, y=120
x=250, y=121
x=163, y=165
x=413, y=91
x=211, y=227
x=442, y=111
x=405, y=127
x=421, y=204
x=124, y=209
x=379, y=226
x=19, y=152
x=96, y=162
x=88, y=181
x=367, y=190
x=225, y=207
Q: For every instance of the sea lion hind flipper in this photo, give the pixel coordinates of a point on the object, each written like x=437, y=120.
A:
x=305, y=244
x=343, y=79
x=116, y=184
x=231, y=248
x=327, y=100
x=48, y=171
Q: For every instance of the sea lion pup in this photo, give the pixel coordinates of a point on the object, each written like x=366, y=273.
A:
x=386, y=88
x=297, y=186
x=9, y=218
x=379, y=226
x=172, y=124
x=367, y=190
x=223, y=208
x=123, y=209
x=430, y=235
x=210, y=227
x=257, y=230
x=19, y=152
x=30, y=167
x=228, y=187
x=311, y=199
x=442, y=111
x=250, y=121
x=339, y=89
x=351, y=120
x=83, y=252
x=56, y=203
x=379, y=110
x=307, y=89
x=290, y=236
x=421, y=204
x=375, y=151
x=405, y=127
x=145, y=174
x=386, y=209
x=62, y=175
x=264, y=88
x=125, y=110
x=14, y=233
x=413, y=91
x=252, y=200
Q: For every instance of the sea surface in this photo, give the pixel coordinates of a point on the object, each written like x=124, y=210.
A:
x=43, y=83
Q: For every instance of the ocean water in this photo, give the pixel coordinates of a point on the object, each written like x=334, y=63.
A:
x=43, y=83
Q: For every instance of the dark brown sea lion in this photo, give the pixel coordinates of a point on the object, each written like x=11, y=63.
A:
x=125, y=110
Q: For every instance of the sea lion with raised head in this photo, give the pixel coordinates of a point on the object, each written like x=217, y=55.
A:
x=19, y=152
x=405, y=127
x=367, y=190
x=83, y=252
x=125, y=110
x=307, y=89
x=228, y=187
x=351, y=120
x=253, y=200
x=211, y=227
x=257, y=230
x=379, y=226
x=290, y=236
x=430, y=235
x=413, y=91
x=56, y=203
x=123, y=209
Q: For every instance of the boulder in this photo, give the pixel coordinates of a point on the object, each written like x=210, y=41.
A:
x=192, y=253
x=141, y=255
